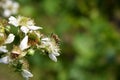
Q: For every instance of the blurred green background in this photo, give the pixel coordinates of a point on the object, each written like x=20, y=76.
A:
x=90, y=39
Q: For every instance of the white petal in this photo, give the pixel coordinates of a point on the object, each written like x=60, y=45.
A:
x=24, y=29
x=6, y=13
x=4, y=60
x=53, y=57
x=24, y=43
x=3, y=49
x=10, y=38
x=45, y=39
x=56, y=54
x=15, y=7
x=13, y=21
x=26, y=74
x=34, y=27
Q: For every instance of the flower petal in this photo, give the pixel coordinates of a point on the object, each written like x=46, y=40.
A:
x=53, y=57
x=26, y=74
x=10, y=38
x=4, y=60
x=56, y=54
x=24, y=29
x=3, y=49
x=24, y=43
x=45, y=39
x=13, y=21
x=15, y=8
x=34, y=27
x=6, y=13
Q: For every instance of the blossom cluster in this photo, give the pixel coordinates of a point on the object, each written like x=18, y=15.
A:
x=19, y=37
x=8, y=7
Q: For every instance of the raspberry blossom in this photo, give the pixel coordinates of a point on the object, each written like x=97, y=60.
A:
x=9, y=7
x=24, y=40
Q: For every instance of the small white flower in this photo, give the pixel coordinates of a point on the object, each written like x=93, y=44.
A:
x=24, y=43
x=51, y=47
x=13, y=21
x=26, y=74
x=3, y=49
x=5, y=60
x=26, y=24
x=9, y=7
x=10, y=38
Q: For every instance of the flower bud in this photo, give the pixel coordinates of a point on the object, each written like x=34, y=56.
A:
x=31, y=52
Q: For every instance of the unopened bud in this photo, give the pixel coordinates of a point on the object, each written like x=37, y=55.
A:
x=31, y=52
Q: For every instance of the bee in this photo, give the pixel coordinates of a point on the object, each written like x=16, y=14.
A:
x=55, y=37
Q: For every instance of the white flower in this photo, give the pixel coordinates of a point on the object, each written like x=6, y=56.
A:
x=24, y=43
x=10, y=38
x=9, y=7
x=26, y=74
x=5, y=60
x=3, y=49
x=26, y=24
x=51, y=48
x=13, y=21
